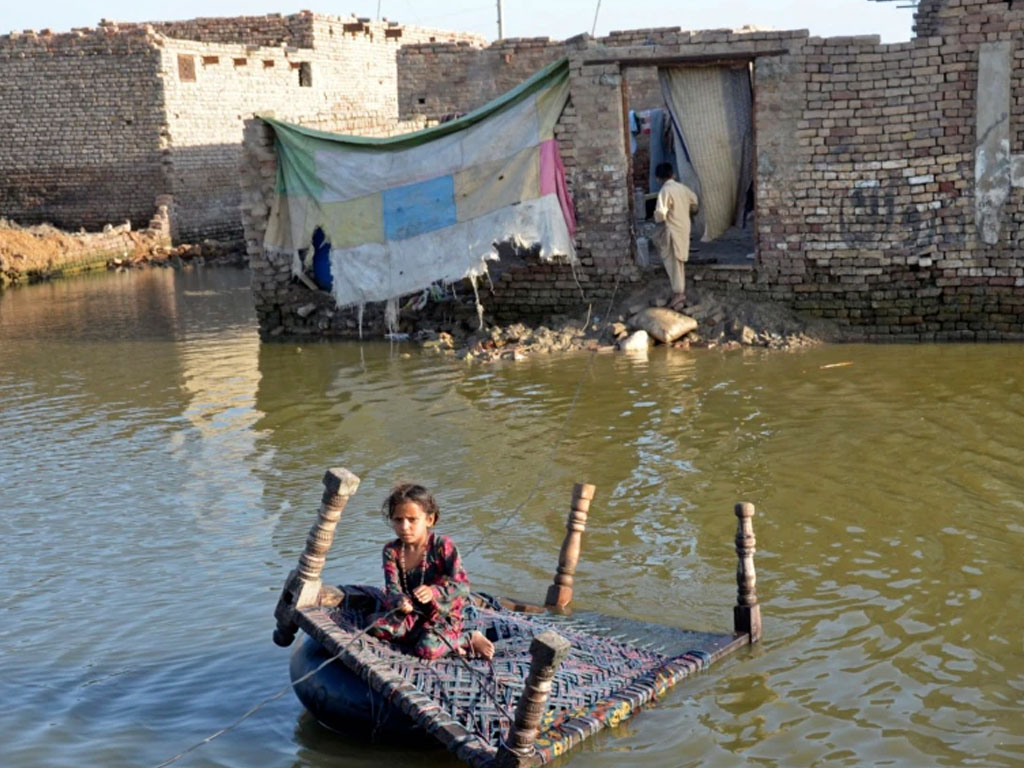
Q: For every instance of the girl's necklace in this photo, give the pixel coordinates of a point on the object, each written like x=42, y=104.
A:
x=403, y=572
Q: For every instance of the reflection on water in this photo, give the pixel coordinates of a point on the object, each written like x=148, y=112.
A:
x=160, y=469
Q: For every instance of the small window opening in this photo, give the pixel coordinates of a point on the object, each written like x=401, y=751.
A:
x=186, y=68
x=268, y=63
x=210, y=60
x=240, y=62
x=305, y=74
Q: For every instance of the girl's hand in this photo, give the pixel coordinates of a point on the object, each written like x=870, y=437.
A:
x=405, y=606
x=423, y=594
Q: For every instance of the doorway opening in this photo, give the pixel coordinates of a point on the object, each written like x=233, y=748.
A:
x=699, y=119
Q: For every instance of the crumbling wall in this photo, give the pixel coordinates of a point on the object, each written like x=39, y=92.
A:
x=80, y=120
x=890, y=178
x=278, y=298
x=439, y=80
x=889, y=184
x=591, y=138
x=270, y=30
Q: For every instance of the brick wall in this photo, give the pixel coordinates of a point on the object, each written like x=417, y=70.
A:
x=927, y=17
x=868, y=198
x=98, y=122
x=269, y=30
x=591, y=135
x=80, y=116
x=877, y=228
x=226, y=84
x=276, y=296
x=439, y=79
x=889, y=184
x=345, y=82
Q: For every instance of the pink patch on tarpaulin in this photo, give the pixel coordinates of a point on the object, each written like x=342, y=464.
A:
x=552, y=181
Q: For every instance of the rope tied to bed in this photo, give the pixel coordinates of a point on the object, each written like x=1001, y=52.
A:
x=253, y=710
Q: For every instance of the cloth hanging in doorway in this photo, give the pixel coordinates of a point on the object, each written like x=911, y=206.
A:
x=686, y=175
x=661, y=151
x=403, y=213
x=712, y=112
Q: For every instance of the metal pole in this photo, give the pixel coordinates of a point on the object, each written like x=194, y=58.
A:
x=378, y=10
x=597, y=10
x=501, y=23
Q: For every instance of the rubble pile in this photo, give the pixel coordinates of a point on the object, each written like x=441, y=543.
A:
x=708, y=322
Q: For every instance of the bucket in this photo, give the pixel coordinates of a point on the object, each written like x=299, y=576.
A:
x=643, y=252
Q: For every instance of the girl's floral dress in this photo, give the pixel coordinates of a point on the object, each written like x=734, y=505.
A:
x=421, y=631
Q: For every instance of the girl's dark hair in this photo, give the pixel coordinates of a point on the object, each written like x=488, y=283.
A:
x=404, y=492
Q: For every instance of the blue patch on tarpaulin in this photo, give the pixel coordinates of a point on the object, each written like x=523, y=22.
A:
x=417, y=208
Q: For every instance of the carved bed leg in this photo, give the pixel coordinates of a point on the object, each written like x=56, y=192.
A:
x=302, y=588
x=560, y=592
x=747, y=613
x=547, y=651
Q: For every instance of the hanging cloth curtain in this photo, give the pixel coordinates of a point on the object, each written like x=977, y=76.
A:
x=712, y=114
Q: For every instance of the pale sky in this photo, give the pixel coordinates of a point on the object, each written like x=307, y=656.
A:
x=557, y=19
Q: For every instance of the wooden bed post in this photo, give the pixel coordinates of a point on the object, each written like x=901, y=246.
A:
x=547, y=651
x=560, y=592
x=747, y=613
x=302, y=588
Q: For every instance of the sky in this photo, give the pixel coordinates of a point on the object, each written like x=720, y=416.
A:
x=557, y=19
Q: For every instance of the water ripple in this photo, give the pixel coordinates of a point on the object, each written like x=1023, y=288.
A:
x=160, y=468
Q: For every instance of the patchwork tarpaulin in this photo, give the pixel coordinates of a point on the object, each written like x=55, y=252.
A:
x=402, y=213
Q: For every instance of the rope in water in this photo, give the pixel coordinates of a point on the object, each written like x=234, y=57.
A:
x=542, y=475
x=251, y=711
x=277, y=695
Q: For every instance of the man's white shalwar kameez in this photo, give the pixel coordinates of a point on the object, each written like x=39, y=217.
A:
x=675, y=204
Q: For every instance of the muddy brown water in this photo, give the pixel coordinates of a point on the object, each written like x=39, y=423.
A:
x=160, y=468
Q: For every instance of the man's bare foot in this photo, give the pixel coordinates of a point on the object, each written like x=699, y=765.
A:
x=481, y=646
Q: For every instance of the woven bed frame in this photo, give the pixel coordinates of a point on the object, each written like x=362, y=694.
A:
x=567, y=675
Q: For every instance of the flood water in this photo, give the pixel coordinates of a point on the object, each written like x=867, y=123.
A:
x=160, y=468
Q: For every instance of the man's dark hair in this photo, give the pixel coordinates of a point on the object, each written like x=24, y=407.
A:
x=663, y=171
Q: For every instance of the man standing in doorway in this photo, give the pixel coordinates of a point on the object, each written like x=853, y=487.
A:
x=676, y=203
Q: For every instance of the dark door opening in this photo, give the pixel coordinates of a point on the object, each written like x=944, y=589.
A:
x=699, y=119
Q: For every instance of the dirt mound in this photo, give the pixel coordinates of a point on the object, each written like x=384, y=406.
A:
x=33, y=249
x=28, y=254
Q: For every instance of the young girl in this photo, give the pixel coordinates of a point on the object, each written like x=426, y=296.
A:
x=425, y=581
